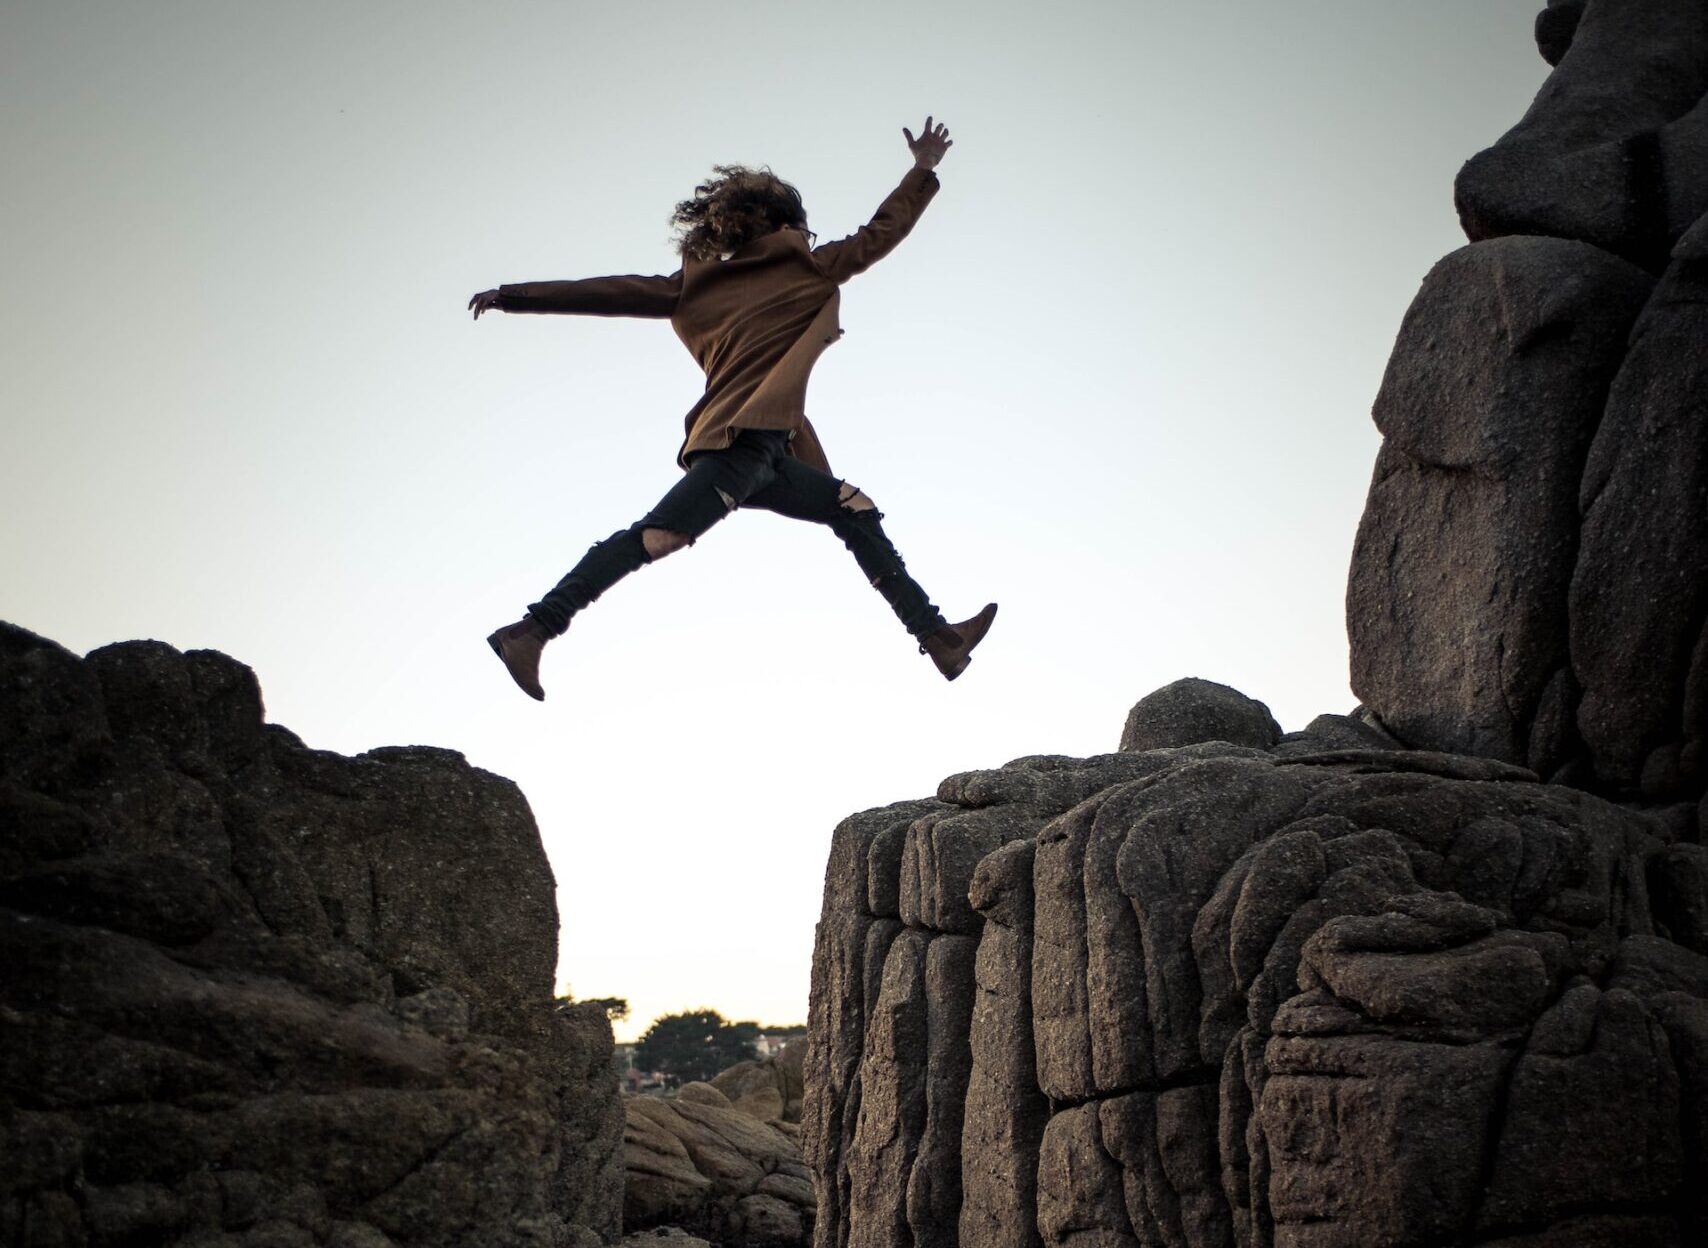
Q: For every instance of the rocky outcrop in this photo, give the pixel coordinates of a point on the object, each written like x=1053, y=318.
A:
x=768, y=1089
x=1614, y=150
x=1216, y=995
x=698, y=1162
x=1431, y=974
x=1530, y=580
x=256, y=993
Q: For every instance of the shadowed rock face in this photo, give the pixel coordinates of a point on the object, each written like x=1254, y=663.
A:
x=257, y=993
x=1218, y=995
x=1530, y=580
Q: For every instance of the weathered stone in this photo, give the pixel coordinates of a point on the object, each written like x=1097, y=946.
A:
x=934, y=1181
x=1187, y=831
x=663, y=1237
x=1639, y=594
x=1081, y=1200
x=1437, y=965
x=862, y=882
x=1610, y=151
x=1374, y=1140
x=1165, y=1144
x=1591, y=1116
x=1678, y=888
x=1005, y=1111
x=1264, y=1007
x=1456, y=601
x=893, y=1102
x=1192, y=710
x=695, y=1162
x=938, y=858
x=242, y=1000
x=769, y=1090
x=1328, y=733
x=1555, y=26
x=1331, y=990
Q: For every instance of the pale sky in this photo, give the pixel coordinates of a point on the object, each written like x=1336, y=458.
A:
x=1118, y=380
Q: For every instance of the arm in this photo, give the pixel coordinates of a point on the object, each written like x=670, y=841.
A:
x=895, y=216
x=592, y=296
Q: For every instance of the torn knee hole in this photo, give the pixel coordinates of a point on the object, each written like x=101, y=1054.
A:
x=729, y=499
x=852, y=498
x=660, y=542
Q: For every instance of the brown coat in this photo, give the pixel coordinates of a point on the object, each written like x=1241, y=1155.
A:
x=756, y=322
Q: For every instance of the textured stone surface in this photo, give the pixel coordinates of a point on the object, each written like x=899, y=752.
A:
x=697, y=1163
x=770, y=1089
x=1639, y=598
x=1193, y=710
x=1267, y=998
x=244, y=999
x=1456, y=601
x=1373, y=982
x=1612, y=150
x=1530, y=580
x=1555, y=26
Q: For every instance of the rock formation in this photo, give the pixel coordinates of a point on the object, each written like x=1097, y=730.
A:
x=1530, y=580
x=1431, y=974
x=770, y=1088
x=1210, y=994
x=260, y=994
x=697, y=1162
x=723, y=1158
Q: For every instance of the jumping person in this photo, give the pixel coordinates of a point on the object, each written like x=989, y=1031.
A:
x=756, y=304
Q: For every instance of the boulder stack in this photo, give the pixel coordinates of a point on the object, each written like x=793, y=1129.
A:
x=1429, y=974
x=1211, y=994
x=1530, y=580
x=256, y=993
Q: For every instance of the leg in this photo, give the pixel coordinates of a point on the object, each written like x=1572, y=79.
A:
x=714, y=484
x=803, y=493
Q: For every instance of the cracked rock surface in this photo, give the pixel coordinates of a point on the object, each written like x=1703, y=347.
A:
x=1216, y=995
x=723, y=1170
x=258, y=994
x=1432, y=974
x=1530, y=579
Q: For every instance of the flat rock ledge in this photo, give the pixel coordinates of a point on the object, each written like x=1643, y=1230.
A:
x=257, y=994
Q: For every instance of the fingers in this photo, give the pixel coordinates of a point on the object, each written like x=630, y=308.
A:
x=933, y=130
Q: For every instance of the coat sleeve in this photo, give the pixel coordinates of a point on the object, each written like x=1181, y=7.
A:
x=596, y=296
x=878, y=237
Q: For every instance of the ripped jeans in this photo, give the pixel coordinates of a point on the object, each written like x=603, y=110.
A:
x=755, y=471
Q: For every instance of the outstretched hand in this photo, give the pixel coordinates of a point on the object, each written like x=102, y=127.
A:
x=929, y=147
x=485, y=301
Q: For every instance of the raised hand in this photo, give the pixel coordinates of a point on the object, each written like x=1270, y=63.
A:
x=929, y=147
x=485, y=301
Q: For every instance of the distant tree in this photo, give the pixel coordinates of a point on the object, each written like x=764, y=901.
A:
x=615, y=1007
x=695, y=1045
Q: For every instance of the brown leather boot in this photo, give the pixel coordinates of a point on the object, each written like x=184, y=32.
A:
x=519, y=646
x=951, y=649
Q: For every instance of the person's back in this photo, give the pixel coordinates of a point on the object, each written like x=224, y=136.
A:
x=755, y=303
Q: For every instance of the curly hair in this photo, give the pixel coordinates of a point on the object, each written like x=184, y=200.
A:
x=732, y=208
